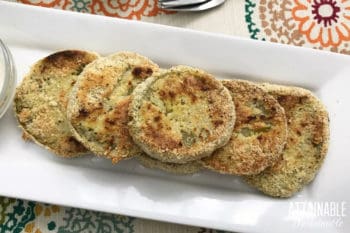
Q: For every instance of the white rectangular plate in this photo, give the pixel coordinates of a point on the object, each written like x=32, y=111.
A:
x=205, y=199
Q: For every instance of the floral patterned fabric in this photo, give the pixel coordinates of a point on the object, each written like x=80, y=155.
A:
x=17, y=216
x=127, y=9
x=318, y=24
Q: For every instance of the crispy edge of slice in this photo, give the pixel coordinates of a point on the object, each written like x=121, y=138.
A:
x=268, y=181
x=174, y=168
x=163, y=155
x=262, y=156
x=48, y=64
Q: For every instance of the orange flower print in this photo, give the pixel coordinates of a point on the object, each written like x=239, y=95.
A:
x=47, y=3
x=32, y=228
x=44, y=215
x=46, y=210
x=127, y=9
x=323, y=21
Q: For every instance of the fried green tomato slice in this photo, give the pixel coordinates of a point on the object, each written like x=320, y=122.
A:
x=181, y=115
x=41, y=101
x=99, y=103
x=259, y=135
x=306, y=147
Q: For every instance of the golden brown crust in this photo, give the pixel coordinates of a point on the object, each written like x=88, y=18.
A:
x=259, y=134
x=98, y=110
x=41, y=101
x=306, y=147
x=175, y=168
x=181, y=115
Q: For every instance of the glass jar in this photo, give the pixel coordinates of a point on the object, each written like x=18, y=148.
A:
x=7, y=78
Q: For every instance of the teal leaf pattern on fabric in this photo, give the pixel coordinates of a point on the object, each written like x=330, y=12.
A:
x=51, y=225
x=80, y=5
x=79, y=220
x=252, y=28
x=15, y=220
x=4, y=204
